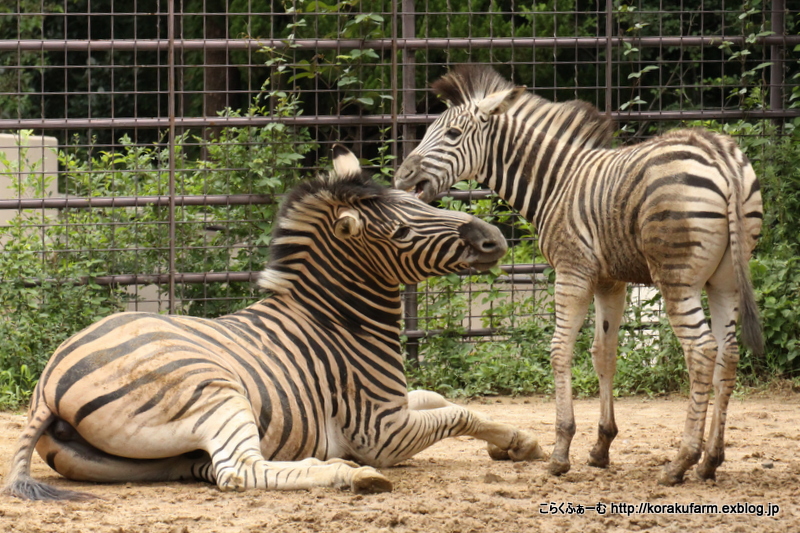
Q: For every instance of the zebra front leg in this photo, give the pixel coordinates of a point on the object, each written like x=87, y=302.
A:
x=571, y=304
x=527, y=448
x=609, y=306
x=237, y=462
x=414, y=430
x=686, y=316
x=722, y=304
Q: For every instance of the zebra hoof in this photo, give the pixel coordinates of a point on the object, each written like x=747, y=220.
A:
x=231, y=483
x=670, y=479
x=529, y=451
x=367, y=480
x=599, y=459
x=524, y=448
x=497, y=453
x=557, y=468
x=707, y=469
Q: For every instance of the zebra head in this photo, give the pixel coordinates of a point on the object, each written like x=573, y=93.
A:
x=455, y=146
x=348, y=228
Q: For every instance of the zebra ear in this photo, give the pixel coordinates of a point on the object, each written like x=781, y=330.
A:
x=345, y=162
x=499, y=102
x=347, y=225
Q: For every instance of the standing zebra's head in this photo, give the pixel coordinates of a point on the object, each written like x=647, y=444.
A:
x=344, y=228
x=455, y=145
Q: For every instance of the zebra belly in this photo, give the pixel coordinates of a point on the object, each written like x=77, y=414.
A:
x=147, y=386
x=148, y=423
x=629, y=270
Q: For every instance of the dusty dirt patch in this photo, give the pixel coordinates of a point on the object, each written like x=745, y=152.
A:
x=455, y=487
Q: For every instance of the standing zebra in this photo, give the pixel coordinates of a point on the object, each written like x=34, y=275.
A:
x=682, y=211
x=282, y=394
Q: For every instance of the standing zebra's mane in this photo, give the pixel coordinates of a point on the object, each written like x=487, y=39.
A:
x=320, y=194
x=469, y=83
x=466, y=84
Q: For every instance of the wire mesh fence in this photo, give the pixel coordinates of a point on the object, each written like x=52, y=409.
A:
x=148, y=143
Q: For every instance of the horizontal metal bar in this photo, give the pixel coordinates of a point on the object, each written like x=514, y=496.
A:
x=228, y=277
x=136, y=201
x=356, y=120
x=476, y=332
x=210, y=199
x=504, y=331
x=154, y=45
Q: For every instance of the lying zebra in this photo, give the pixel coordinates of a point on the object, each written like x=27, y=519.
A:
x=285, y=393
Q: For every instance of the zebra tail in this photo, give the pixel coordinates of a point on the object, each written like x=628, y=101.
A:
x=19, y=482
x=752, y=334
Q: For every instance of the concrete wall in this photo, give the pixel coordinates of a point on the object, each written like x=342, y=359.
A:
x=37, y=155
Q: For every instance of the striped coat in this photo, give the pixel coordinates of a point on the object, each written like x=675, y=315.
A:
x=297, y=390
x=682, y=211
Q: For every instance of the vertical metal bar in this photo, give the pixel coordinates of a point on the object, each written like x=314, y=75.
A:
x=609, y=52
x=411, y=302
x=171, y=111
x=409, y=98
x=393, y=82
x=776, y=57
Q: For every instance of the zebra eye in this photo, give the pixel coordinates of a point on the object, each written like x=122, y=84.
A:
x=401, y=232
x=453, y=133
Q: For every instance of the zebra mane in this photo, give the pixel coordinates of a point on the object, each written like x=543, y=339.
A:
x=471, y=83
x=289, y=236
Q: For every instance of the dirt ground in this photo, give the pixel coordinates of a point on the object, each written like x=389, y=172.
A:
x=455, y=487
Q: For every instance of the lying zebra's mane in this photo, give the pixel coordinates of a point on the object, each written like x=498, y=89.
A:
x=471, y=83
x=318, y=194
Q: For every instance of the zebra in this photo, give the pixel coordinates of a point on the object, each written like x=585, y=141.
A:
x=297, y=390
x=681, y=211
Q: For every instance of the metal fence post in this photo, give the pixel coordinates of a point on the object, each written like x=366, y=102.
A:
x=171, y=111
x=776, y=71
x=410, y=297
x=609, y=55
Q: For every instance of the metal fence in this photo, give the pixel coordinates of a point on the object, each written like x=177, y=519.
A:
x=155, y=138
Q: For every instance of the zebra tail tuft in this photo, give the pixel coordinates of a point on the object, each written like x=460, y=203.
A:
x=18, y=480
x=25, y=487
x=752, y=334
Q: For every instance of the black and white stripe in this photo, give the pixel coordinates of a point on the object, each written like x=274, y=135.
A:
x=682, y=211
x=294, y=391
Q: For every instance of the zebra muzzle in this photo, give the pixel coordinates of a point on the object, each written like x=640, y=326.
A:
x=486, y=244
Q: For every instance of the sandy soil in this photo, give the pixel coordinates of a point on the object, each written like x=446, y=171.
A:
x=454, y=487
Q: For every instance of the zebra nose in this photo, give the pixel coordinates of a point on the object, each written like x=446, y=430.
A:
x=484, y=238
x=404, y=177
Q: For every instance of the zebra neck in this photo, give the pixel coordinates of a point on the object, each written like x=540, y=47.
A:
x=371, y=313
x=532, y=150
x=316, y=318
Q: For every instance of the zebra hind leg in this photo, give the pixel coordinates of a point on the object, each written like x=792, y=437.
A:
x=609, y=306
x=722, y=303
x=420, y=400
x=73, y=457
x=687, y=318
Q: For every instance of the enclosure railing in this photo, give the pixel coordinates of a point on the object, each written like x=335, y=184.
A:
x=403, y=119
